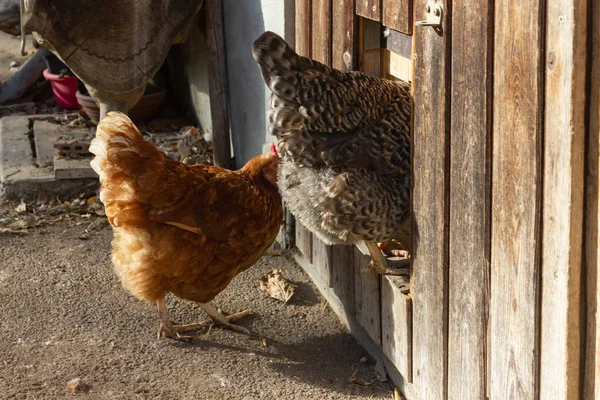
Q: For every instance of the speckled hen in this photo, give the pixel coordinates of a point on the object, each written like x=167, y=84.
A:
x=344, y=139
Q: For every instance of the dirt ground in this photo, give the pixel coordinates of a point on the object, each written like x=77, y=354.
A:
x=10, y=51
x=65, y=316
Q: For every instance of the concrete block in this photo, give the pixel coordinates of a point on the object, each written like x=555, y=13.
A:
x=77, y=168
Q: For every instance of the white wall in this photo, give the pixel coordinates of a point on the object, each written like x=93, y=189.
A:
x=246, y=20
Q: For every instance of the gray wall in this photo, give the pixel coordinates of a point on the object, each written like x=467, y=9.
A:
x=246, y=20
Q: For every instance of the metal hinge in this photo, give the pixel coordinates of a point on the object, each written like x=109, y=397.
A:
x=435, y=14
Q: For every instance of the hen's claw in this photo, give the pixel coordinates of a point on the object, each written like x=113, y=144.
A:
x=379, y=262
x=385, y=270
x=223, y=320
x=170, y=331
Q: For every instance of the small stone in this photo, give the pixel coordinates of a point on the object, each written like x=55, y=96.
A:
x=363, y=360
x=14, y=64
x=75, y=385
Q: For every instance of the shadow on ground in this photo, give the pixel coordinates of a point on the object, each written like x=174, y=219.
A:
x=65, y=316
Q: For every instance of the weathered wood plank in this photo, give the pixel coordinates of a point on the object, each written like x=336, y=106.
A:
x=516, y=200
x=360, y=333
x=397, y=67
x=218, y=87
x=370, y=47
x=303, y=27
x=345, y=33
x=321, y=31
x=366, y=293
x=398, y=15
x=370, y=9
x=322, y=259
x=304, y=241
x=564, y=155
x=342, y=276
x=430, y=212
x=592, y=246
x=396, y=323
x=470, y=208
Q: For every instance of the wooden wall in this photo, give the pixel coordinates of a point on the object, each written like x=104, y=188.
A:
x=502, y=300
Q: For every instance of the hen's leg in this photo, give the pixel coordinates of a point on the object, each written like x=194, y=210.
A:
x=167, y=329
x=218, y=318
x=379, y=263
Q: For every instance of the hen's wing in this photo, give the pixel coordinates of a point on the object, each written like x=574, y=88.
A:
x=139, y=185
x=325, y=116
x=221, y=208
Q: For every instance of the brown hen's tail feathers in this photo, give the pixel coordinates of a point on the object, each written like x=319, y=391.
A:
x=123, y=159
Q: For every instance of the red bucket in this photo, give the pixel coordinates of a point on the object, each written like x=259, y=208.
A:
x=64, y=90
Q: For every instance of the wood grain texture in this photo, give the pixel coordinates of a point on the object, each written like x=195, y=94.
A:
x=322, y=259
x=398, y=15
x=470, y=208
x=592, y=245
x=396, y=323
x=342, y=276
x=321, y=31
x=369, y=57
x=564, y=155
x=516, y=200
x=370, y=9
x=397, y=67
x=303, y=27
x=366, y=294
x=345, y=34
x=430, y=211
x=218, y=87
x=304, y=240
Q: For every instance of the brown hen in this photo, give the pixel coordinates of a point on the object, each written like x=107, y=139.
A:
x=184, y=229
x=344, y=138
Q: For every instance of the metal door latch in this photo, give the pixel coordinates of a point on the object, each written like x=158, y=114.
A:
x=435, y=14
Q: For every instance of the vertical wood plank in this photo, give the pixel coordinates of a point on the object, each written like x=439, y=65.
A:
x=370, y=47
x=321, y=31
x=430, y=210
x=322, y=259
x=218, y=88
x=564, y=155
x=516, y=200
x=396, y=323
x=303, y=27
x=398, y=15
x=370, y=9
x=366, y=292
x=345, y=34
x=342, y=276
x=303, y=22
x=397, y=67
x=592, y=246
x=304, y=241
x=470, y=181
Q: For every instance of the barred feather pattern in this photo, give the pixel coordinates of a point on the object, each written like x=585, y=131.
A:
x=344, y=138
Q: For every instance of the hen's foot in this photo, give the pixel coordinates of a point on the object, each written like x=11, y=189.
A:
x=168, y=330
x=224, y=320
x=385, y=270
x=380, y=264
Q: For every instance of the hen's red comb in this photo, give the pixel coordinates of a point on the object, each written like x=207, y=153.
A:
x=274, y=149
